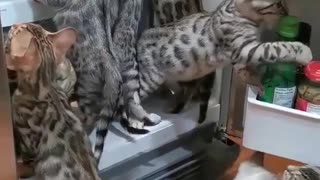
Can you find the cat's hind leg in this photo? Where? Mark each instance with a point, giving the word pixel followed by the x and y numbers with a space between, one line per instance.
pixel 183 96
pixel 205 92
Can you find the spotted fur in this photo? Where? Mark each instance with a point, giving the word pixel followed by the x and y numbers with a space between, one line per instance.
pixel 47 130
pixel 196 45
pixel 170 11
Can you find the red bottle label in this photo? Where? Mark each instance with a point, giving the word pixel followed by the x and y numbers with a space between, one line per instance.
pixel 304 105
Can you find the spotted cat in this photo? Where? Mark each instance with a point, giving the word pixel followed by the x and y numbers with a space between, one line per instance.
pixel 198 44
pixel 46 128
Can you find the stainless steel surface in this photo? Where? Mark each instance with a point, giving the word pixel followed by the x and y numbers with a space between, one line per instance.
pixel 8 169
pixel 236 106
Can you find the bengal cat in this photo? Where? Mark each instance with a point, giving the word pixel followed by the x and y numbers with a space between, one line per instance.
pixel 195 46
pixel 46 128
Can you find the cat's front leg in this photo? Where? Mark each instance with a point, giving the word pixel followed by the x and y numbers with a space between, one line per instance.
pixel 257 53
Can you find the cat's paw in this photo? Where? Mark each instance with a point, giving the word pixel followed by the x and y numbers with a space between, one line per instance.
pixel 136 124
pixel 304 55
pixel 152 119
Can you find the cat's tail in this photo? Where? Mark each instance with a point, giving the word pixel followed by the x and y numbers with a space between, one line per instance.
pixel 106 116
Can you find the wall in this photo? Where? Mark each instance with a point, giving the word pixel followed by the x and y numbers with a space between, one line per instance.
pixel 308 11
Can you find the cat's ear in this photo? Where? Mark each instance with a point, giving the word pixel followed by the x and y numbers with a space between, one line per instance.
pixel 62 42
pixel 23 53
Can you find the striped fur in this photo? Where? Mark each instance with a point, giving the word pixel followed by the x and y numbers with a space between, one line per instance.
pixel 168 11
pixel 124 39
pixel 196 45
pixel 99 82
pixel 48 131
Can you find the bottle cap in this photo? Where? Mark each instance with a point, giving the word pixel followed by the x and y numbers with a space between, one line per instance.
pixel 312 71
pixel 289 27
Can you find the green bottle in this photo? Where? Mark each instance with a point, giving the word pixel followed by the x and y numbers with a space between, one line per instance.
pixel 279 80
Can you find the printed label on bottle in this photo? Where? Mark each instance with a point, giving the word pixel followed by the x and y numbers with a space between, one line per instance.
pixel 313 108
pixel 304 105
pixel 284 96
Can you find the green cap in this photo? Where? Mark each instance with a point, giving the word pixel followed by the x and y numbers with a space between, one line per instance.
pixel 289 27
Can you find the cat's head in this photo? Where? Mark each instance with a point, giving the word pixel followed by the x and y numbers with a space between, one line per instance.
pixel 263 12
pixel 31 49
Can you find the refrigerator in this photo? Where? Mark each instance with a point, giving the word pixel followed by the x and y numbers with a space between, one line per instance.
pixel 175 148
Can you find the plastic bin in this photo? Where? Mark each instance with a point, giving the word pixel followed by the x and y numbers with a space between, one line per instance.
pixel 281 131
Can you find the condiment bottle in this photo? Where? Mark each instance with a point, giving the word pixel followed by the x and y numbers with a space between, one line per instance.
pixel 279 81
pixel 309 89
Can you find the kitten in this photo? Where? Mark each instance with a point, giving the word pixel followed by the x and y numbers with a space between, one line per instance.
pixel 46 128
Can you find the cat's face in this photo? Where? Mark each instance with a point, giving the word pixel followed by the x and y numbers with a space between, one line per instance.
pixel 263 12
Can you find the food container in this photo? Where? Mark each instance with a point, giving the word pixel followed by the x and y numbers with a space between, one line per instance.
pixel 309 89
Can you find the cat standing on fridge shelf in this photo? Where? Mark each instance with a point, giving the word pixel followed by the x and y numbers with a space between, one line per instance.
pixel 46 128
pixel 198 44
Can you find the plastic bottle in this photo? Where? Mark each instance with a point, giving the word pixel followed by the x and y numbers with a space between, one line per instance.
pixel 279 80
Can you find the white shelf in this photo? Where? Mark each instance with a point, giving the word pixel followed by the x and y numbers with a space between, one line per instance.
pixel 18 11
pixel 123 146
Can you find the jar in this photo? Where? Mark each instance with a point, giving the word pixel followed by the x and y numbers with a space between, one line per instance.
pixel 309 89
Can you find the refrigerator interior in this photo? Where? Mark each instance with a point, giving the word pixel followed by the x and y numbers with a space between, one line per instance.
pixel 177 138
pixel 177 143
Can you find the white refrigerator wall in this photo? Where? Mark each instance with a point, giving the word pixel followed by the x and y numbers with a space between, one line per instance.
pixel 309 11
pixel 306 10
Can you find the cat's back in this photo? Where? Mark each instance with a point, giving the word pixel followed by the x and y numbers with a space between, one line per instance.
pixel 184 31
pixel 173 28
